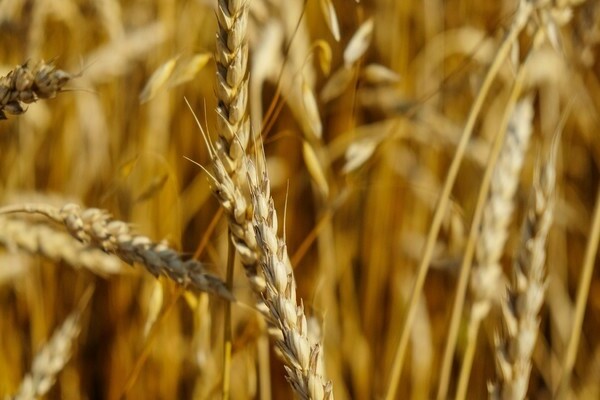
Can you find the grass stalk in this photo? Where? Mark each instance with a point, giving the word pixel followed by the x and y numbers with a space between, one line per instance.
pixel 442 206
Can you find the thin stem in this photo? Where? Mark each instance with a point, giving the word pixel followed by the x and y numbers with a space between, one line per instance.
pixel 227 335
pixel 470 250
pixel 582 295
pixel 442 206
pixel 475 323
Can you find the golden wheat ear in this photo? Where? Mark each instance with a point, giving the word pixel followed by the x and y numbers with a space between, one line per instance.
pixel 98 229
pixel 38 238
pixel 243 190
pixel 525 295
pixel 54 355
pixel 29 82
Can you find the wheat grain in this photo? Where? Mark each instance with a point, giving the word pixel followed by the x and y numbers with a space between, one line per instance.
pixel 98 229
pixel 515 343
pixel 39 238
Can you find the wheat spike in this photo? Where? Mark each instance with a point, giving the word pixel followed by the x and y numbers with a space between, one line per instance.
pixel 240 191
pixel 42 239
pixel 233 124
pixel 288 326
pixel 98 229
pixel 53 357
pixel 28 83
pixel 521 306
pixel 487 278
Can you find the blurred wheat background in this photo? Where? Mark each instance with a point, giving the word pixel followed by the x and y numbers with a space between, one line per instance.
pixel 433 164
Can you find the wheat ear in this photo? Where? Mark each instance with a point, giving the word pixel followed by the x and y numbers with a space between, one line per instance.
pixel 520 308
pixel 288 326
pixel 53 357
pixel 487 278
pixel 98 229
pixel 233 124
pixel 27 83
pixel 234 178
pixel 42 239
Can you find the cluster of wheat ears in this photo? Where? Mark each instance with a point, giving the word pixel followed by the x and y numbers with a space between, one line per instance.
pixel 399 186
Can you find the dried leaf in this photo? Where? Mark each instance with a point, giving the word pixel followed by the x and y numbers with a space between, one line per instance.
pixel 331 18
pixel 359 43
pixel 158 80
pixel 314 168
pixel 324 56
pixel 155 185
pixel 312 111
pixel 154 306
pixel 337 84
pixel 358 153
pixel 379 74
pixel 186 70
pixel 127 168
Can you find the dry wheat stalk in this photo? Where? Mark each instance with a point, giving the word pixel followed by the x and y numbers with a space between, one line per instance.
pixel 39 238
pixel 514 345
pixel 53 357
pixel 27 83
pixel 487 278
pixel 97 228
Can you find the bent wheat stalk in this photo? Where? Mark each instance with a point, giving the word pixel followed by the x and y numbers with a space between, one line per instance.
pixel 98 229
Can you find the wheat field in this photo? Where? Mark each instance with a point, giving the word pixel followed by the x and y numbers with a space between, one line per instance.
pixel 273 199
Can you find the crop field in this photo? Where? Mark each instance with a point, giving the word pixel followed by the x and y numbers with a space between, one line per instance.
pixel 311 199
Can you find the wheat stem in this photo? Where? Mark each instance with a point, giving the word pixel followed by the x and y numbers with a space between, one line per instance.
pixel 491 219
pixel 583 291
pixel 518 24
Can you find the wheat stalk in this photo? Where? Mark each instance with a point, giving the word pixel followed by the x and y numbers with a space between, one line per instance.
pixel 98 229
pixel 53 357
pixel 514 345
pixel 39 238
pixel 28 83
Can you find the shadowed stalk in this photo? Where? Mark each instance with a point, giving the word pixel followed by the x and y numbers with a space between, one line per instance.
pixel 227 335
pixel 583 291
